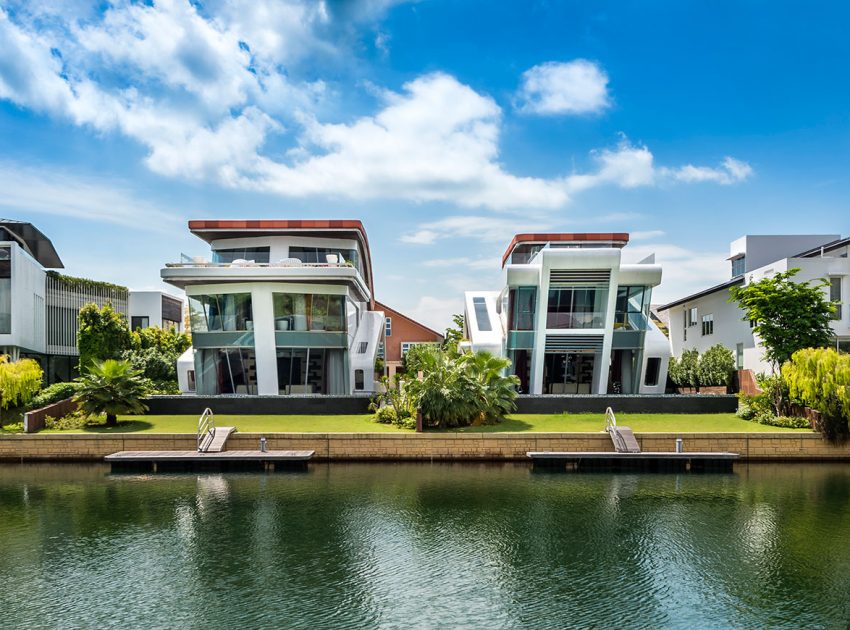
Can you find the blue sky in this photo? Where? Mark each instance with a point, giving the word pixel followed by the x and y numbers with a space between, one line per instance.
pixel 445 126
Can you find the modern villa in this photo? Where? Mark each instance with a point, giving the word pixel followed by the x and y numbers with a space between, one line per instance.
pixel 282 307
pixel 572 317
pixel 706 318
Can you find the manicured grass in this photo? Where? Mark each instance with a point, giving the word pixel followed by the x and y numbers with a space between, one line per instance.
pixel 638 422
pixel 584 422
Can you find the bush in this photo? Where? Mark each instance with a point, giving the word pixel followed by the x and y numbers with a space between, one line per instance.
pixel 820 378
pixel 104 334
pixel 52 394
pixel 74 420
pixel 684 372
pixel 716 366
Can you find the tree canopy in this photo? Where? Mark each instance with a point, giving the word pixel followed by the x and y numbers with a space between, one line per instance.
pixel 104 334
pixel 787 316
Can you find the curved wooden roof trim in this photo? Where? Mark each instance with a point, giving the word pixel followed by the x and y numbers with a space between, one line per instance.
pixel 283 225
pixel 578 237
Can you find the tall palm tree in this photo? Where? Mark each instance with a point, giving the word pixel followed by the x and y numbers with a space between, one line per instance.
pixel 111 387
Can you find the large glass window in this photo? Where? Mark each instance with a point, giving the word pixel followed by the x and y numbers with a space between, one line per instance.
pixel 311 371
pixel 632 310
pixel 314 255
pixel 482 317
pixel 521 306
pixel 309 312
pixel 568 373
pixel 521 367
pixel 576 308
pixel 5 290
pixel 835 296
pixel 524 253
pixel 257 254
pixel 225 371
pixel 738 266
pixel 218 313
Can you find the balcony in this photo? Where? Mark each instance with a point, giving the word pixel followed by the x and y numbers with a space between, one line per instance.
pixel 594 319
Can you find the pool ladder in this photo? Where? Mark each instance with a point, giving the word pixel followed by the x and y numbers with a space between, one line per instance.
pixel 622 437
pixel 206 430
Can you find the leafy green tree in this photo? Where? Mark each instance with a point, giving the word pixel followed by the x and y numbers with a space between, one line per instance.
pixel 716 366
pixel 20 381
pixel 111 387
pixel 104 334
pixel 454 334
pixel 154 353
pixel 820 378
pixel 787 316
pixel 166 340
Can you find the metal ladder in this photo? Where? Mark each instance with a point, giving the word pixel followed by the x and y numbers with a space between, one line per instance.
pixel 206 430
pixel 622 437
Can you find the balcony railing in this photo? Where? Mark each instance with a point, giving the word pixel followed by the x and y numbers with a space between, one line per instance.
pixel 575 320
pixel 290 262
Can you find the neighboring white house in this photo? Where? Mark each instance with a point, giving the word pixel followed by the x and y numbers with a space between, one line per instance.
pixel 283 307
pixel 571 317
pixel 155 308
pixel 707 318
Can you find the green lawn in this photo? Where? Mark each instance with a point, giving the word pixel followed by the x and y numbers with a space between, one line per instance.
pixel 660 423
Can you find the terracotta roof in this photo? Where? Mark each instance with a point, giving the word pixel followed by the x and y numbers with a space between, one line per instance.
pixel 212 229
pixel 564 237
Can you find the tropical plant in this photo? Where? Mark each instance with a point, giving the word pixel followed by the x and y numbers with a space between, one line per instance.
pixel 495 391
pixel 19 382
pixel 454 334
pixel 392 405
pixel 820 378
pixel 111 387
pixel 104 334
pixel 787 316
pixel 716 366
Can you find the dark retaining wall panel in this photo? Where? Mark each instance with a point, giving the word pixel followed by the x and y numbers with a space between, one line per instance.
pixel 670 403
pixel 258 405
pixel 343 405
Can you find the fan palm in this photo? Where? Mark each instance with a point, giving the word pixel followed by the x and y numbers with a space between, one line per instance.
pixel 111 387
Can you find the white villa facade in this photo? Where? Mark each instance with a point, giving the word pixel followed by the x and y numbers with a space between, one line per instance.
pixel 283 307
pixel 704 319
pixel 572 317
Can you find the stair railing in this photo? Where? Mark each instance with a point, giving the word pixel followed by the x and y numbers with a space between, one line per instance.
pixel 206 428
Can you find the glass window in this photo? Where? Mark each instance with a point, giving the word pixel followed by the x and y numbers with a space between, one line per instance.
pixel 632 309
pixel 225 312
pixel 653 370
pixel 524 253
pixel 522 303
pixel 310 371
pixel 358 380
pixel 577 307
pixel 388 327
pixel 138 321
pixel 320 255
pixel 308 312
pixel 708 324
pixel 257 254
pixel 738 266
pixel 361 349
pixel 739 356
pixel 835 296
pixel 225 371
pixel 5 290
pixel 479 304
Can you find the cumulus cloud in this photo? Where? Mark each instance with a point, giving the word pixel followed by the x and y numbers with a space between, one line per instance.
pixel 684 271
pixel 210 91
pixel 574 87
pixel 480 228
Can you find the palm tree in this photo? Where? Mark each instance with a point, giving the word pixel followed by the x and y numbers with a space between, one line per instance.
pixel 111 387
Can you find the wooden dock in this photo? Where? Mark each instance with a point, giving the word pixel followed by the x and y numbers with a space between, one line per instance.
pixel 191 461
pixel 634 462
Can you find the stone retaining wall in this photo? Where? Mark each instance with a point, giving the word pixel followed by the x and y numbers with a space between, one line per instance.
pixel 426 446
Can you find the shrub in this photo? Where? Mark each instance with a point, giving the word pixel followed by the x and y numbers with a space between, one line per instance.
pixel 716 366
pixel 19 382
pixel 820 378
pixel 104 334
pixel 111 387
pixel 684 372
pixel 53 394
pixel 73 420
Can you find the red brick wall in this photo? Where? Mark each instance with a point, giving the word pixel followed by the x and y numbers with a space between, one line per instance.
pixel 404 330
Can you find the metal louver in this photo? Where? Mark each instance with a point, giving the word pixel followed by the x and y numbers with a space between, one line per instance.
pixel 579 277
pixel 573 343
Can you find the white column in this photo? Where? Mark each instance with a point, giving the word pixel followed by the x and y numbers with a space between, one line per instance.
pixel 264 343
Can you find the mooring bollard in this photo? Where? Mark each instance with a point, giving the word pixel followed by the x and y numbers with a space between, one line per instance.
pixel 679 447
pixel 263 447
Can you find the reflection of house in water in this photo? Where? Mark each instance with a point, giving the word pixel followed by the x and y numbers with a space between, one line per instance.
pixel 283 307
pixel 571 317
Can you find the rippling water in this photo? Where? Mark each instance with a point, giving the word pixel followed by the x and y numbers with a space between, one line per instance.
pixel 417 545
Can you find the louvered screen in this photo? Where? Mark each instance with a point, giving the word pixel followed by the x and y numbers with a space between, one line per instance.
pixel 573 343
pixel 582 277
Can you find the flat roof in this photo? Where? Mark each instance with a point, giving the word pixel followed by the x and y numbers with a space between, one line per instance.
pixel 826 247
pixel 565 237
pixel 213 229
pixel 709 291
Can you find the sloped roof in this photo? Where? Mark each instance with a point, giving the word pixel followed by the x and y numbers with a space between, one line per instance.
pixel 31 240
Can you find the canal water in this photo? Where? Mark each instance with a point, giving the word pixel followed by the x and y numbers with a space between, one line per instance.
pixel 425 546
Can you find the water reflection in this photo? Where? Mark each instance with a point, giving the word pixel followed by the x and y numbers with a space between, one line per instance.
pixel 397 545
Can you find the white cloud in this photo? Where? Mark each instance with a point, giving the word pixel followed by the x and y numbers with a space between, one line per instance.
pixel 51 192
pixel 206 90
pixel 731 171
pixel 645 235
pixel 574 87
pixel 435 312
pixel 684 271
pixel 462 262
pixel 479 228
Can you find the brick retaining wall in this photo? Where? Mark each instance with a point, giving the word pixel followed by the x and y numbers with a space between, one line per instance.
pixel 427 446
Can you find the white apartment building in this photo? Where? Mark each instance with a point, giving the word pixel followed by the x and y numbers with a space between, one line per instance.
pixel 155 309
pixel 707 318
pixel 283 307
pixel 572 317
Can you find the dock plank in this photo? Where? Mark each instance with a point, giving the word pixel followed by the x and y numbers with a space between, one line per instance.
pixel 195 456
